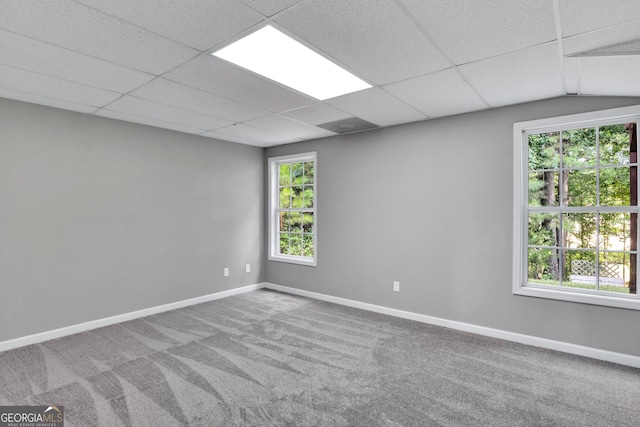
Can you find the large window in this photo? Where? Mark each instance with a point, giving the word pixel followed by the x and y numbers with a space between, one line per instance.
pixel 576 208
pixel 292 208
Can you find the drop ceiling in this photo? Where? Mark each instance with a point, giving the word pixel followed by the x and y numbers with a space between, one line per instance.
pixel 150 62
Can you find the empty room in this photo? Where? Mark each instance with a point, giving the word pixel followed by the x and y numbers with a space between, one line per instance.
pixel 319 213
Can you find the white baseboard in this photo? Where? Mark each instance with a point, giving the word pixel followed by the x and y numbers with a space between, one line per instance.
pixel 594 353
pixel 87 326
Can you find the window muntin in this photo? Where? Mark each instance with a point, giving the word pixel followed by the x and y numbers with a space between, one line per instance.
pixel 292 209
pixel 575 229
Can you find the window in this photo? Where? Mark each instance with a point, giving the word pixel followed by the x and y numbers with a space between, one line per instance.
pixel 292 209
pixel 576 208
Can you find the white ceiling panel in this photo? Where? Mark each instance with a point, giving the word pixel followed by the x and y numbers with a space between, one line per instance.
pixel 43 58
pixel 146 121
pixel 468 30
pixel 171 93
pixel 50 87
pixel 232 138
pixel 289 127
pixel 377 106
pixel 153 110
pixel 581 16
pixel 316 114
pixel 522 76
pixel 439 94
pixel 270 7
pixel 187 21
pixel 610 75
pixel 571 72
pixel 372 38
pixel 49 102
pixel 258 135
pixel 221 78
pixel 82 29
pixel 601 38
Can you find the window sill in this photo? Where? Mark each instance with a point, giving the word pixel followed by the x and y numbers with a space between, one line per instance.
pixel 631 302
pixel 309 262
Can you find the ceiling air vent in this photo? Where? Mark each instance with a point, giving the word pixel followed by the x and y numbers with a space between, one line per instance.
pixel 353 124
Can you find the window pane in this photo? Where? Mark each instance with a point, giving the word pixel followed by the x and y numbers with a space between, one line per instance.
pixel 614 272
pixel 307 196
pixel 284 243
pixel 614 145
pixel 296 222
pixel 615 231
pixel 579 148
pixel 580 187
pixel 297 200
pixel 284 222
pixel 543 188
pixel 579 269
pixel 543 229
pixel 307 222
pixel 544 149
pixel 297 177
pixel 308 173
pixel 543 266
pixel 615 186
pixel 308 245
pixel 285 197
pixel 579 230
pixel 295 244
pixel 285 174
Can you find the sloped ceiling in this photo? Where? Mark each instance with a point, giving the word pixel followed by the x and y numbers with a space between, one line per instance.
pixel 149 62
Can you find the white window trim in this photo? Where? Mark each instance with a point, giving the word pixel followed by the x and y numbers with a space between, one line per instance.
pixel 520 203
pixel 274 241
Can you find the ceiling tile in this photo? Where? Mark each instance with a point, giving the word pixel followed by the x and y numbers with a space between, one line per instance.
pixel 172 93
pixel 377 106
pixel 152 110
pixel 372 38
pixel 50 87
pixel 581 16
pixel 221 78
pixel 146 121
pixel 33 55
pixel 610 75
pixel 605 37
pixel 270 7
pixel 231 138
pixel 522 76
pixel 82 29
pixel 289 127
pixel 257 135
pixel 468 30
pixel 316 114
pixel 202 24
pixel 438 94
pixel 49 102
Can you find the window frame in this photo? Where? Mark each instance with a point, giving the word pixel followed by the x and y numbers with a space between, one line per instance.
pixel 521 131
pixel 274 202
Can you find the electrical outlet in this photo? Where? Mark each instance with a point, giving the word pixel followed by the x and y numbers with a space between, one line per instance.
pixel 396 286
pixel 247 268
pixel 226 272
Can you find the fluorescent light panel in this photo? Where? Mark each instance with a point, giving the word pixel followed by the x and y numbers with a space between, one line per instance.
pixel 275 55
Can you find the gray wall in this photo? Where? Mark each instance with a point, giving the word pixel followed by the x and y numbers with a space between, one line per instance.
pixel 100 217
pixel 430 204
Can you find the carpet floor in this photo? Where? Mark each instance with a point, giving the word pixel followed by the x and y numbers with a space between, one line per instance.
pixel 266 358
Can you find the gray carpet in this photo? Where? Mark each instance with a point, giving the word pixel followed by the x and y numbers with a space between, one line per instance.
pixel 270 359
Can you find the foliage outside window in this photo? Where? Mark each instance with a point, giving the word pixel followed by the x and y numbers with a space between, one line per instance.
pixel 576 208
pixel 292 206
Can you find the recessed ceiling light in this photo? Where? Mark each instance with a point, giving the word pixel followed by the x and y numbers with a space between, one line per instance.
pixel 275 55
